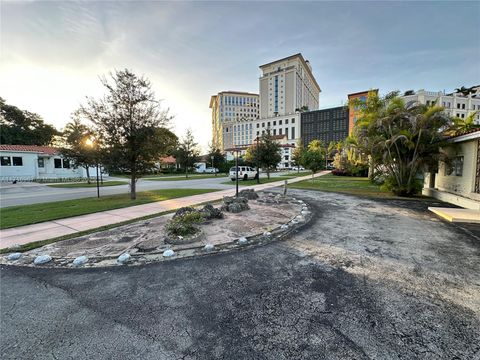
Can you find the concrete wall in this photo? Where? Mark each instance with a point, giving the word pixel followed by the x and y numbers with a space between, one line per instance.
pixel 458 190
pixel 28 169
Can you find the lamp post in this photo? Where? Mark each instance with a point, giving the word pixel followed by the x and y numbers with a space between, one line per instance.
pixel 236 173
pixel 258 171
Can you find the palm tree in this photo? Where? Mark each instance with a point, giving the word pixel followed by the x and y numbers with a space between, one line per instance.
pixel 402 140
pixel 461 126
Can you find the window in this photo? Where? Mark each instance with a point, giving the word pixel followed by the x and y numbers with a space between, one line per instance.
pixel 5 161
pixel 57 163
pixel 268 124
pixel 274 131
pixel 41 161
pixel 17 161
pixel 263 124
pixel 286 132
pixel 279 131
pixel 274 123
pixel 458 106
pixel 463 106
pixel 293 121
pixel 258 125
pixel 279 122
pixel 293 133
pixel 286 121
pixel 456 167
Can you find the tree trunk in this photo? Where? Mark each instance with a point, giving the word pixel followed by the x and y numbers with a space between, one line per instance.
pixel 186 171
pixel 133 185
pixel 268 173
pixel 88 175
pixel 371 168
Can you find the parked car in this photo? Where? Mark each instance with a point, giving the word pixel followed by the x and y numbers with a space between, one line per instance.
pixel 210 170
pixel 296 168
pixel 244 172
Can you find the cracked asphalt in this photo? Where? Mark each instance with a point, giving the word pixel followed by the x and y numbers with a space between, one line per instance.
pixel 364 280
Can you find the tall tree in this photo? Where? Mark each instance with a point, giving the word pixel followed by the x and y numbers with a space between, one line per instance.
pixel 187 152
pixel 265 152
pixel 314 157
pixel 130 123
pixel 298 154
pixel 77 150
pixel 21 127
pixel 402 139
pixel 217 156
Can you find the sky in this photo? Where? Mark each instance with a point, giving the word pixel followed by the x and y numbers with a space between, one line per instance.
pixel 52 53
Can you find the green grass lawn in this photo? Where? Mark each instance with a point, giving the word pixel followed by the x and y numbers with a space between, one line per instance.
pixel 343 184
pixel 30 214
pixel 180 178
pixel 92 184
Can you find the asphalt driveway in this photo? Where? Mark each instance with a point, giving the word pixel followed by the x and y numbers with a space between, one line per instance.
pixel 364 280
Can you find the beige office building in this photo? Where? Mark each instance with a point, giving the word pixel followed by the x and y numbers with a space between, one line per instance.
pixel 287 86
pixel 231 108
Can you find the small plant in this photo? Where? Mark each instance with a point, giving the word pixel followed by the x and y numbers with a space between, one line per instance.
pixel 184 225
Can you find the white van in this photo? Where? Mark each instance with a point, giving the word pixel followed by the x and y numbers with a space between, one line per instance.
pixel 244 173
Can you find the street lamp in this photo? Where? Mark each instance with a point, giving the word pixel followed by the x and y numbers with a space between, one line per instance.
pixel 258 171
pixel 91 143
pixel 236 173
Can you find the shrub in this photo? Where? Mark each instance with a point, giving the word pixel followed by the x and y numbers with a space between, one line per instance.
pixel 184 225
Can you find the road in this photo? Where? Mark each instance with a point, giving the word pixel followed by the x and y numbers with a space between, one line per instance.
pixel 33 193
pixel 364 280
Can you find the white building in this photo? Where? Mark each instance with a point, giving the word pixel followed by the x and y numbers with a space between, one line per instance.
pixel 287 86
pixel 458 182
pixel 31 162
pixel 456 104
pixel 230 108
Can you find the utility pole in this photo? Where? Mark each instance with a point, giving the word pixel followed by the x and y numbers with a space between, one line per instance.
pixel 258 171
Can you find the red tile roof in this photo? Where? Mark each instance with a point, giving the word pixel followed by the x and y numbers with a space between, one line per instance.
pixel 464 133
pixel 168 160
pixel 30 148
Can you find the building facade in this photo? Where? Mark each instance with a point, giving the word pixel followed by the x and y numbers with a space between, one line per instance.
pixel 231 107
pixel 459 181
pixel 287 86
pixel 30 162
pixel 353 110
pixel 456 104
pixel 326 125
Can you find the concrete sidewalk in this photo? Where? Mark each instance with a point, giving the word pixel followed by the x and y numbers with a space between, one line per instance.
pixel 52 229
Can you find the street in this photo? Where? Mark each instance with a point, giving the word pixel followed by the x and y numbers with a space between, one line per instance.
pixel 34 193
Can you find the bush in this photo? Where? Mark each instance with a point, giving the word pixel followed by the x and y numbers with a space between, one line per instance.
pixel 184 225
pixel 390 184
pixel 339 172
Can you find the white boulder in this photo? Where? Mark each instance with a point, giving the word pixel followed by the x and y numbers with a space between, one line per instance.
pixel 42 259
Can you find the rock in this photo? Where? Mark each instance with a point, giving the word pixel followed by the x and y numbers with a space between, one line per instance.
pixel 267 234
pixel 242 241
pixel 168 253
pixel 81 260
pixel 14 256
pixel 234 208
pixel 294 221
pixel 228 200
pixel 209 247
pixel 42 259
pixel 300 218
pixel 305 212
pixel 284 227
pixel 147 245
pixel 211 213
pixel 249 194
pixel 183 210
pixel 124 258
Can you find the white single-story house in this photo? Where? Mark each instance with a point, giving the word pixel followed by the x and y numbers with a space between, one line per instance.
pixel 31 162
pixel 459 182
